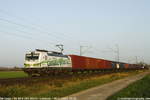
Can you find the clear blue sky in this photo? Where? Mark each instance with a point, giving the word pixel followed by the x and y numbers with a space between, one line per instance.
pixel 99 24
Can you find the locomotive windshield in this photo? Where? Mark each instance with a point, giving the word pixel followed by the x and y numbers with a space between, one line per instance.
pixel 32 56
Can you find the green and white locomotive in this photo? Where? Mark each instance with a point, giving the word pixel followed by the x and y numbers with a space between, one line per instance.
pixel 43 61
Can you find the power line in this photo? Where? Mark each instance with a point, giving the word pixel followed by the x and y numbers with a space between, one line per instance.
pixel 35 27
pixel 19 36
pixel 5 20
pixel 18 25
pixel 81 49
pixel 29 36
pixel 6 13
pixel 25 26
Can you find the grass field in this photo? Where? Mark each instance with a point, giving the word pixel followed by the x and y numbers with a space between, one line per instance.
pixel 139 89
pixel 12 74
pixel 61 87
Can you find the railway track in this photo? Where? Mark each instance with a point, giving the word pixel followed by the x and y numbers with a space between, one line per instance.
pixel 32 80
pixel 11 81
pixel 50 79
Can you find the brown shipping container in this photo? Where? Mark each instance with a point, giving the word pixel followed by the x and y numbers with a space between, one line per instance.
pixel 81 62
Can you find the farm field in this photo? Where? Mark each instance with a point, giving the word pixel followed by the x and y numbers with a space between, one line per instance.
pixel 139 89
pixel 12 74
pixel 60 87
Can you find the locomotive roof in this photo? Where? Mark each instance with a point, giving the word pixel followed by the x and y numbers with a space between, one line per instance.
pixel 41 50
pixel 56 54
pixel 53 52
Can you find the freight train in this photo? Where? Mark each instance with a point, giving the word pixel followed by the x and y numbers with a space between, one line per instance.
pixel 43 62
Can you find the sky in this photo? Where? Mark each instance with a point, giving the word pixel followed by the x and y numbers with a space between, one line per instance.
pixel 100 26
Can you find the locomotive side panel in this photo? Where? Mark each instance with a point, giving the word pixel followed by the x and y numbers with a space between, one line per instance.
pixel 40 59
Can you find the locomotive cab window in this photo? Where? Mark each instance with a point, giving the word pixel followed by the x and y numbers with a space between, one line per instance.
pixel 32 56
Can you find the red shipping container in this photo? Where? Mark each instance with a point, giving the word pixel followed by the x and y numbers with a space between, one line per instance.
pixel 81 62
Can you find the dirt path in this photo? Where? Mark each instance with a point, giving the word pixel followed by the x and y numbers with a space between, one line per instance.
pixel 103 91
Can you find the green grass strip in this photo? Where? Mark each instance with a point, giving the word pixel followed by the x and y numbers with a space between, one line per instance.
pixel 138 89
pixel 12 74
pixel 83 85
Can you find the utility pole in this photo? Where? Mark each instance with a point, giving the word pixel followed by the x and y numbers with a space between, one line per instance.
pixel 116 50
pixel 136 59
pixel 118 53
pixel 60 46
pixel 81 49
